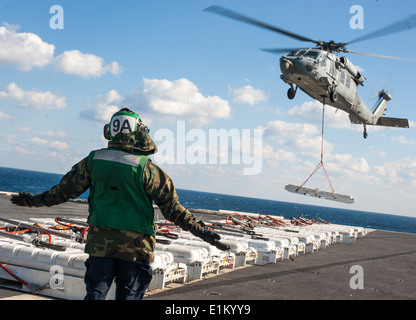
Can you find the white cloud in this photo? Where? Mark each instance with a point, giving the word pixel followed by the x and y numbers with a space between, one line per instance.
pixel 39 141
pixel 10 138
pixel 26 50
pixel 346 163
pixel 297 146
pixel 23 50
pixel 359 69
pixel 59 134
pixel 58 145
pixel 398 172
pixel 303 137
pixel 249 95
pixel 178 99
pixel 276 157
pixel 22 150
pixel 5 116
pixel 23 129
pixel 404 140
pixel 105 108
pixel 311 111
pixel 84 65
pixel 39 100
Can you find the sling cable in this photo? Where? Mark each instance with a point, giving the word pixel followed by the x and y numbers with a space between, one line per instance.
pixel 315 192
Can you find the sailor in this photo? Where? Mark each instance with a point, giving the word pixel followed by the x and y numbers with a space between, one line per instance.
pixel 123 182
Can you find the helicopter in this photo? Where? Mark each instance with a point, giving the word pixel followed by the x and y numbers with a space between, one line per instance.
pixel 325 76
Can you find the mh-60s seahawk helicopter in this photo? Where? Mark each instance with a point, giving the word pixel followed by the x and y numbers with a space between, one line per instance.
pixel 326 77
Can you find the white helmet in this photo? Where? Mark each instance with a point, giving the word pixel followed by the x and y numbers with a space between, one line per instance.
pixel 125 121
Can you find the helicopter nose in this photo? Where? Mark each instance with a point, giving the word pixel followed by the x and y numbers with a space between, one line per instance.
pixel 286 66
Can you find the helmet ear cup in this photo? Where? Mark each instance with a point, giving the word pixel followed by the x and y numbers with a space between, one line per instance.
pixel 107 132
pixel 143 128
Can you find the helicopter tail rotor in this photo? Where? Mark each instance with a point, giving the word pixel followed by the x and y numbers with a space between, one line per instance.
pixel 379 112
pixel 384 94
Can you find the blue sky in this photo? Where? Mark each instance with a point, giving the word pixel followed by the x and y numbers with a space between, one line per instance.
pixel 174 63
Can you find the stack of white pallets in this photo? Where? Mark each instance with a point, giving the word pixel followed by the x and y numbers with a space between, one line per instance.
pixel 180 259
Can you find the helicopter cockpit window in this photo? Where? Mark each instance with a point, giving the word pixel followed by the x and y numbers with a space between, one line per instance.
pixel 297 53
pixel 332 70
pixel 323 60
pixel 348 83
pixel 342 78
pixel 312 54
pixel 305 53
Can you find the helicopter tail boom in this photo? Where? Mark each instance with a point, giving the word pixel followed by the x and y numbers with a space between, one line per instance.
pixel 377 118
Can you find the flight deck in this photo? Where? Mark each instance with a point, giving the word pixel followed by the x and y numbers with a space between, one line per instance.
pixel 324 272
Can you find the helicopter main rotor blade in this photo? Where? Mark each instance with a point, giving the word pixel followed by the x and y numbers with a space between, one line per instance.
pixel 279 50
pixel 377 55
pixel 402 25
pixel 236 16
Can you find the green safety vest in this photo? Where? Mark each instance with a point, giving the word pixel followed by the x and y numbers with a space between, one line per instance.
pixel 117 197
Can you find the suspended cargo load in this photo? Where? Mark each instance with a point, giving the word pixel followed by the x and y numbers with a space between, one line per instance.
pixel 315 192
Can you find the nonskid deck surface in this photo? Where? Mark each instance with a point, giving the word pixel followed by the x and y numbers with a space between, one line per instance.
pixel 277 264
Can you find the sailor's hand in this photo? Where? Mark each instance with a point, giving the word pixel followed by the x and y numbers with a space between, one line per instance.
pixel 22 199
pixel 222 246
pixel 213 239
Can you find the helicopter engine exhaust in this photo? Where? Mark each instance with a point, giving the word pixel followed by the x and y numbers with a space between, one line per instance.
pixel 359 79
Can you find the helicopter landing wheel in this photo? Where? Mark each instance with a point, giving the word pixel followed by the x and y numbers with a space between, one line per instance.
pixel 333 96
pixel 365 134
pixel 291 93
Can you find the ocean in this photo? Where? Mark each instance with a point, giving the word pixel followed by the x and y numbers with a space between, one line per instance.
pixel 18 180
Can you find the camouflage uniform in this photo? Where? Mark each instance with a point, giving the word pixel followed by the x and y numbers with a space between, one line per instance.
pixel 108 242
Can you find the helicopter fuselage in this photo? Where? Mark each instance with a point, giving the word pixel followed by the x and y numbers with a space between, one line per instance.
pixel 328 79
